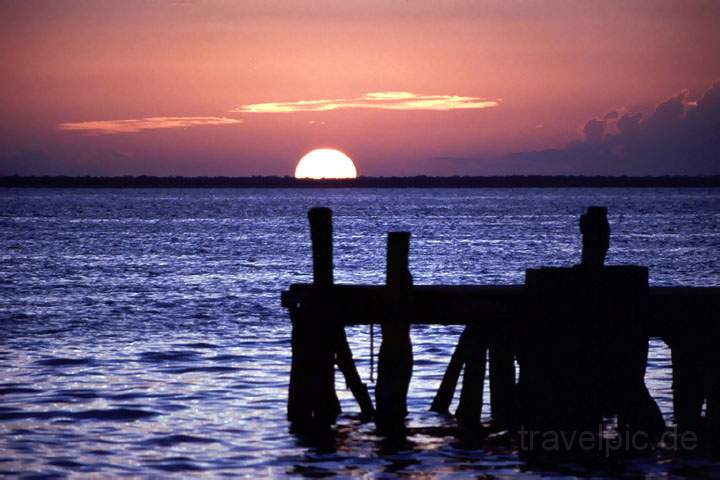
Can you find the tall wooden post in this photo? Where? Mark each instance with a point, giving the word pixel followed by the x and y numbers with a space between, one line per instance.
pixel 312 396
pixel 319 342
pixel 395 361
pixel 321 232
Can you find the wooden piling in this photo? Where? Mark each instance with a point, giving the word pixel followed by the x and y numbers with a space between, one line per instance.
pixel 595 231
pixel 474 343
pixel 502 375
pixel 446 391
pixel 346 364
pixel 319 341
pixel 695 363
pixel 470 405
pixel 312 397
pixel 395 360
pixel 321 234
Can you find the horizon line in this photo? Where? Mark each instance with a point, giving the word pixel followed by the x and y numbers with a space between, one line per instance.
pixel 418 181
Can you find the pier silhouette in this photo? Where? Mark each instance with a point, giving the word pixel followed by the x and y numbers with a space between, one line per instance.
pixel 563 351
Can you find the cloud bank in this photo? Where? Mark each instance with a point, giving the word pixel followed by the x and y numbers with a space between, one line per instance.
pixel 679 137
pixel 376 100
pixel 108 127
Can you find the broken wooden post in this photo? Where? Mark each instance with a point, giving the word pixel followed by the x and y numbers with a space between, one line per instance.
pixel 623 332
pixel 583 344
pixel 395 361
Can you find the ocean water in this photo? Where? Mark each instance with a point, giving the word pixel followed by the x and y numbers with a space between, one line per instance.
pixel 142 333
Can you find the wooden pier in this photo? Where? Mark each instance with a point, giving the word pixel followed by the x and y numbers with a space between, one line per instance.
pixel 578 334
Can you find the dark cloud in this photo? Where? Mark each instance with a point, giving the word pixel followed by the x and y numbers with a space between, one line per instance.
pixel 594 131
pixel 680 137
pixel 611 115
pixel 629 123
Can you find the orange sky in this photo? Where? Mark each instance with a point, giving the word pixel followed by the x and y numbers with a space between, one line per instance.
pixel 423 87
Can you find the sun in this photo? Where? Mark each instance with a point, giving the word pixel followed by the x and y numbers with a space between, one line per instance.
pixel 325 163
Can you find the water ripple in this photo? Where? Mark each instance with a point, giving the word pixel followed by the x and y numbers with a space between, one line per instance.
pixel 110 415
pixel 143 334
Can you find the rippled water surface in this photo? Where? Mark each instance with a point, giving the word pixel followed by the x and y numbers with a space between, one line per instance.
pixel 142 331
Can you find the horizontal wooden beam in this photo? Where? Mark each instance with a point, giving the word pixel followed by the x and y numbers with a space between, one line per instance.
pixel 464 304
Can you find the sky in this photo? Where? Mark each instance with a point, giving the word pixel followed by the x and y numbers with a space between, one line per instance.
pixel 239 88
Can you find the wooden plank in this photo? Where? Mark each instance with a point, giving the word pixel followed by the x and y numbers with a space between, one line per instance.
pixel 360 305
pixel 464 304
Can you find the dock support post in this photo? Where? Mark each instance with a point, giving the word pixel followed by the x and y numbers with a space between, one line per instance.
pixel 502 375
pixel 395 360
pixel 696 370
pixel 473 346
pixel 470 405
pixel 312 396
pixel 471 353
pixel 346 364
pixel 446 391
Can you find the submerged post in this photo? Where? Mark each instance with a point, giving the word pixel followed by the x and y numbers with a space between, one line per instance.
pixel 395 361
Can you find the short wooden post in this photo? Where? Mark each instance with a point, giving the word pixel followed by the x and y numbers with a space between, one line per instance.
pixel 595 231
pixel 395 361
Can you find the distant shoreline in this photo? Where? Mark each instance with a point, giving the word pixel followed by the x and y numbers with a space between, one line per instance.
pixel 516 181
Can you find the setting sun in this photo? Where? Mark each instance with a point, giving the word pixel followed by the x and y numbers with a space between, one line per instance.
pixel 325 163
